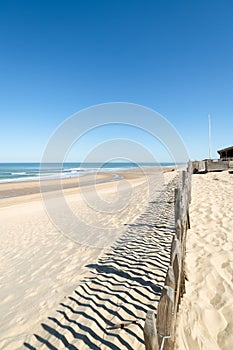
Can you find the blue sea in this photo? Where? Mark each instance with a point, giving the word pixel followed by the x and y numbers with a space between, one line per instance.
pixel 11 172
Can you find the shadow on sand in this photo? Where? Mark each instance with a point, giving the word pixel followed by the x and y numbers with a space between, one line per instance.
pixel 108 309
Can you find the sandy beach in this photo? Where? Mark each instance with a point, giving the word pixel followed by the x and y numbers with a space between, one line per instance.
pixel 205 319
pixel 40 266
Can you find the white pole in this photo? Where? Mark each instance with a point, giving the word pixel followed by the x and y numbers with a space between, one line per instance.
pixel 210 148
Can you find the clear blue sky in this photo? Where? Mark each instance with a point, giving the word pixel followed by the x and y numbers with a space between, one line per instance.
pixel 57 57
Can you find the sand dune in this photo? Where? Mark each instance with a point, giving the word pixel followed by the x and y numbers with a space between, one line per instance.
pixel 40 266
pixel 205 317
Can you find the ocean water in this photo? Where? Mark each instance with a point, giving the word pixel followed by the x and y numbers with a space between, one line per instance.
pixel 11 172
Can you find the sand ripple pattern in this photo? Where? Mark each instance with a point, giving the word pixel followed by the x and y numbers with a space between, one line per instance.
pixel 121 286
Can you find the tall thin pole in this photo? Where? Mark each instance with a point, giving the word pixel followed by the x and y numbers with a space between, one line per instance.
pixel 210 147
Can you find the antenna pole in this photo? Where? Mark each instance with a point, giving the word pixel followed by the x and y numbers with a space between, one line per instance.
pixel 210 148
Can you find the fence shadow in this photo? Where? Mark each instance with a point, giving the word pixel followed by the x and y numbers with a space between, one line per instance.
pixel 108 309
pixel 159 333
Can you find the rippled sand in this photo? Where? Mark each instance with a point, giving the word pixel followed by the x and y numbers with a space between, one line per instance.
pixel 39 265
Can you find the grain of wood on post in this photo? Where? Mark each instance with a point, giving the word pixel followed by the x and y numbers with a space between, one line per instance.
pixel 150 332
pixel 170 280
pixel 162 331
pixel 165 314
pixel 177 204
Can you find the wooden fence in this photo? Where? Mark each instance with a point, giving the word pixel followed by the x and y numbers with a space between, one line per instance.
pixel 198 165
pixel 209 165
pixel 216 165
pixel 159 332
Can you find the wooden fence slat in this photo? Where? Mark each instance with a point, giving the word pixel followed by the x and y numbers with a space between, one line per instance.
pixel 178 230
pixel 175 250
pixel 150 332
pixel 184 176
pixel 177 204
pixel 165 313
pixel 161 332
pixel 177 265
pixel 170 278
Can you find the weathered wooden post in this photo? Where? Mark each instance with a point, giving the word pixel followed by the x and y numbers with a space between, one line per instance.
pixel 150 332
pixel 176 260
pixel 165 316
pixel 160 333
pixel 184 175
pixel 178 212
pixel 170 278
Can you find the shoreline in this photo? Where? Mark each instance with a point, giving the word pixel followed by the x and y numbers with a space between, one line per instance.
pixel 23 188
pixel 45 266
pixel 22 191
pixel 68 173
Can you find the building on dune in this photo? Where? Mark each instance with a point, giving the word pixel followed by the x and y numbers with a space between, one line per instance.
pixel 226 154
pixel 225 162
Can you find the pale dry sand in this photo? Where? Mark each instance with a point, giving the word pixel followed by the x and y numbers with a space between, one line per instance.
pixel 39 265
pixel 205 319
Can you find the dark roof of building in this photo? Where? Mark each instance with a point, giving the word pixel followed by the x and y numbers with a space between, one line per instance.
pixel 225 149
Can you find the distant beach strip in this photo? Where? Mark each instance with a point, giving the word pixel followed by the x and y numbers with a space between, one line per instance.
pixel 11 172
pixel 33 187
pixel 19 179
